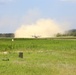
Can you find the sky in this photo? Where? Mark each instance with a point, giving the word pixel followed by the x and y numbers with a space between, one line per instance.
pixel 15 13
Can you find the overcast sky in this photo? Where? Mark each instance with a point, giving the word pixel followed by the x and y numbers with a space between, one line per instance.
pixel 14 13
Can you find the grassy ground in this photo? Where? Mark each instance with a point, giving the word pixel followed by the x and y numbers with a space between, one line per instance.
pixel 41 57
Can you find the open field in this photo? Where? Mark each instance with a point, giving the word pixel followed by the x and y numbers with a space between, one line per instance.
pixel 41 57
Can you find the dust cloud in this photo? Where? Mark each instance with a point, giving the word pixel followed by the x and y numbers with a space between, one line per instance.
pixel 42 28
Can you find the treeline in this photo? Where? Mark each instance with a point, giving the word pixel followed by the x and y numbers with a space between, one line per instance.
pixel 71 32
pixel 5 35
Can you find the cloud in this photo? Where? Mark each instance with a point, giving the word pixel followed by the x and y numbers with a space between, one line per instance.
pixel 42 28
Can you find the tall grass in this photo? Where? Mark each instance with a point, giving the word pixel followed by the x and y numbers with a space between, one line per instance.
pixel 41 57
pixel 37 44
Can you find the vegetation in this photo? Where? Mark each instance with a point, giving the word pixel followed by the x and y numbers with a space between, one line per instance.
pixel 71 32
pixel 4 35
pixel 41 57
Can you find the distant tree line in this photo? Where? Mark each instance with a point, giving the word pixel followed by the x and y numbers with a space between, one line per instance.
pixel 4 35
pixel 71 32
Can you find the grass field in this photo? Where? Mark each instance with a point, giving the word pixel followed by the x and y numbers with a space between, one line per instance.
pixel 40 57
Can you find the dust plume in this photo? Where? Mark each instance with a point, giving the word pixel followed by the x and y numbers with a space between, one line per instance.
pixel 41 28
